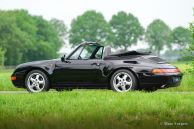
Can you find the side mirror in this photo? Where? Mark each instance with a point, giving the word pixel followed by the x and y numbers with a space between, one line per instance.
pixel 63 58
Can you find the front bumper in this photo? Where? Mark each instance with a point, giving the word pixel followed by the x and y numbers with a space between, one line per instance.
pixel 20 79
pixel 148 81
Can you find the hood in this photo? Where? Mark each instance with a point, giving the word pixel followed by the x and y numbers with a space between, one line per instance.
pixel 37 63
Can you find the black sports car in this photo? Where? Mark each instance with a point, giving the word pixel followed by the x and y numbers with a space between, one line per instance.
pixel 92 65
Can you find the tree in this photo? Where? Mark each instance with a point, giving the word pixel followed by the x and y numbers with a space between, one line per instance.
pixel 60 27
pixel 191 45
pixel 126 29
pixel 12 39
pixel 27 38
pixel 2 52
pixel 46 36
pixel 158 35
pixel 191 28
pixel 91 26
pixel 181 37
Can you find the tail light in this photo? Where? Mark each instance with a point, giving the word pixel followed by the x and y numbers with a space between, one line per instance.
pixel 164 71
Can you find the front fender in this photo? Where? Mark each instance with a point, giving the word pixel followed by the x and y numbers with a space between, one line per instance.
pixel 21 73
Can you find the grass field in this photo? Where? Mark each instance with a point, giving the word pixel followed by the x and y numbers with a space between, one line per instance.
pixel 95 109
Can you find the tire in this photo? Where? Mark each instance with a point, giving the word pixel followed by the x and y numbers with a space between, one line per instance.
pixel 63 89
pixel 123 81
pixel 36 81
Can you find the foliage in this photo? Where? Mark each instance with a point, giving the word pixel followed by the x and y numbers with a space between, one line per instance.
pixel 191 46
pixel 24 37
pixel 2 54
pixel 126 29
pixel 91 26
pixel 27 38
pixel 60 27
pixel 181 37
pixel 11 38
pixel 158 35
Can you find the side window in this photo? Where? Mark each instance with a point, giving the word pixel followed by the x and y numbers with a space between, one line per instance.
pixel 87 51
pixel 99 53
pixel 76 54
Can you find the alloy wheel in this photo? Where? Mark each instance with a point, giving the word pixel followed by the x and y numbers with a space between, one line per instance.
pixel 122 82
pixel 36 82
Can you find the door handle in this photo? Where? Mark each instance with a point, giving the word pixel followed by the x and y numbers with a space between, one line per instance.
pixel 67 61
pixel 97 64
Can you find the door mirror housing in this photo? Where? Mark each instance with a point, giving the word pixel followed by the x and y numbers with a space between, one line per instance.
pixel 63 58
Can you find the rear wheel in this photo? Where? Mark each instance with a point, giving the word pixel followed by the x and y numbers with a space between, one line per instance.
pixel 123 81
pixel 36 81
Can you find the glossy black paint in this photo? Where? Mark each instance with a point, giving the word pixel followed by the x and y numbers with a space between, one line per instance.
pixel 96 73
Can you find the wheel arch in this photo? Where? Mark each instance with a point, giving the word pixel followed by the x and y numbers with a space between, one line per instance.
pixel 133 72
pixel 37 68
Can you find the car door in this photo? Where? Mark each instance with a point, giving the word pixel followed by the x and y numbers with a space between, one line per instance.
pixel 79 69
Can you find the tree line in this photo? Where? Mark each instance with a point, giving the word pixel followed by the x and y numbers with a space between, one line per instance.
pixel 124 30
pixel 24 37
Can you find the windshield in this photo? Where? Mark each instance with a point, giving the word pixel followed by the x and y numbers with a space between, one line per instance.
pixel 87 52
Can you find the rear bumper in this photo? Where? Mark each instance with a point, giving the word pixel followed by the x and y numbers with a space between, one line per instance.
pixel 159 81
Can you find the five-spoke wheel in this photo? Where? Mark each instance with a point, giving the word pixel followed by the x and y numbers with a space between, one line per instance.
pixel 123 81
pixel 36 81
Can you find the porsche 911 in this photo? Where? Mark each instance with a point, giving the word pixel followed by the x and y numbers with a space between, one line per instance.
pixel 92 65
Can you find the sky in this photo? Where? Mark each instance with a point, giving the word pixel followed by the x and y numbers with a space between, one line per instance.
pixel 173 12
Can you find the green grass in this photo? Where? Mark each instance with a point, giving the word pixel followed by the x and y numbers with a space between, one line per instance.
pixel 5 82
pixel 95 109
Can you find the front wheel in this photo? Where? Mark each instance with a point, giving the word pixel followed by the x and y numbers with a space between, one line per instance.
pixel 36 81
pixel 123 81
